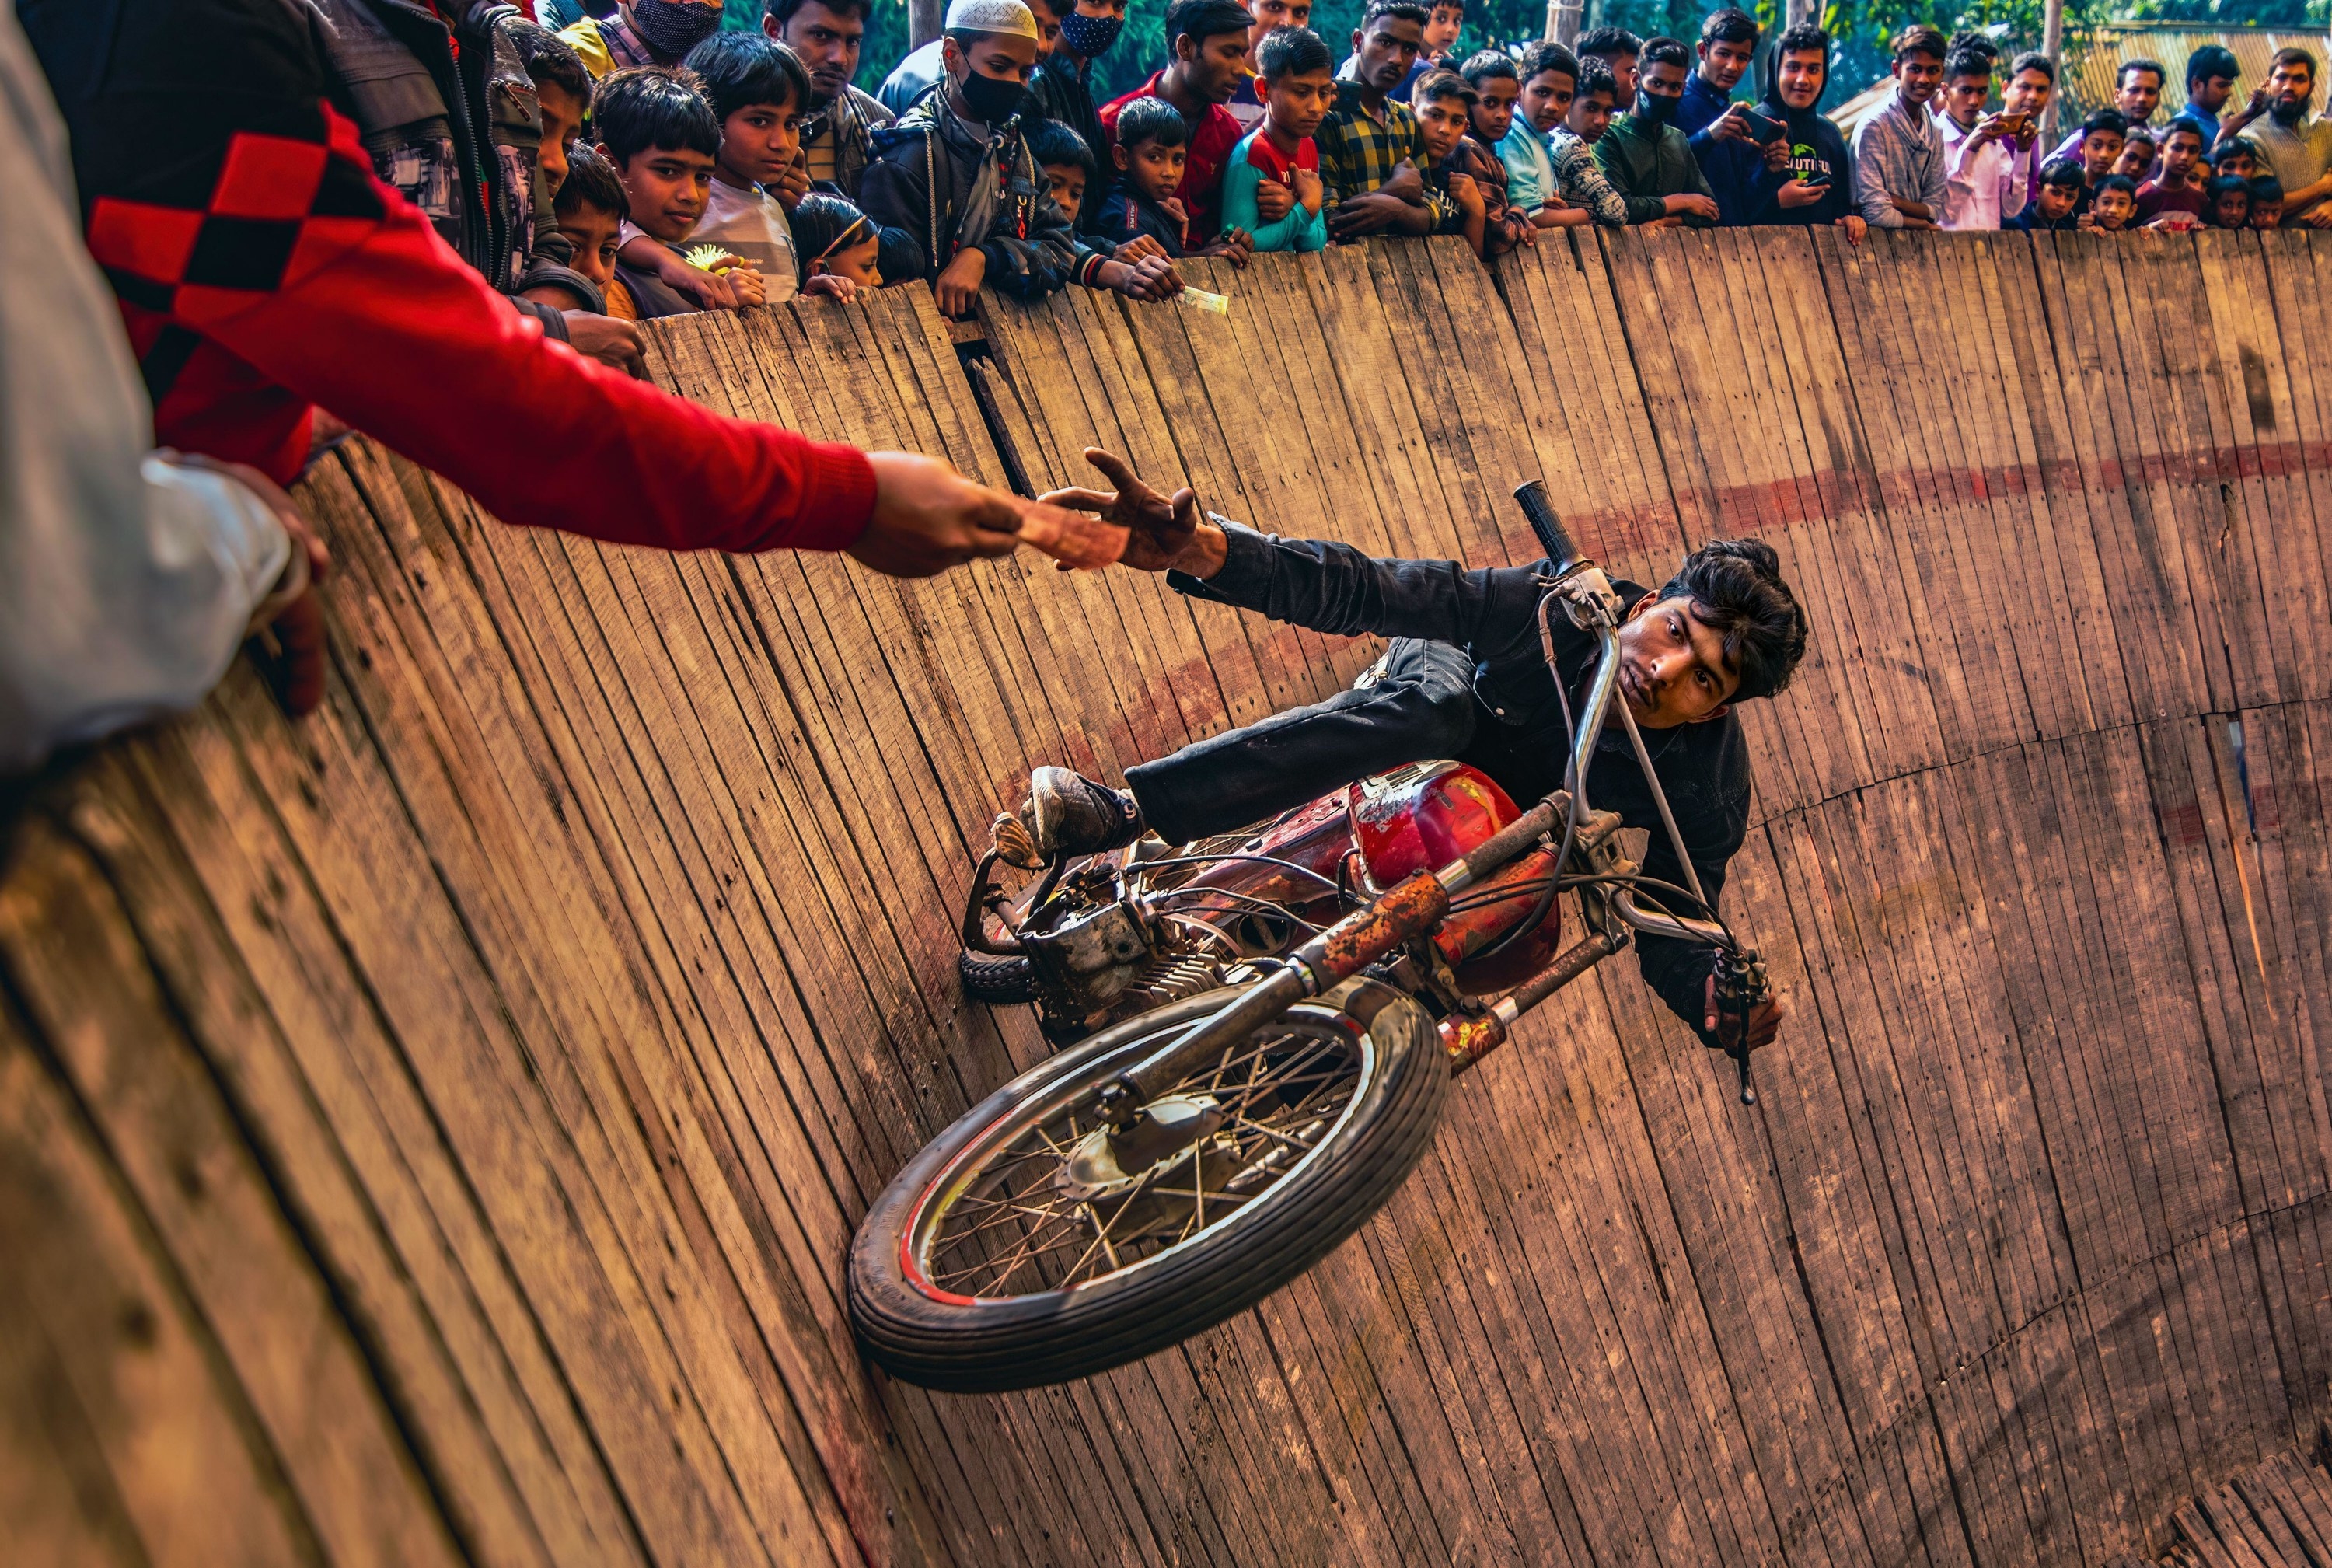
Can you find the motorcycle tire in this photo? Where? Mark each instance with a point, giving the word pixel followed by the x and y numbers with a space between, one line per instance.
pixel 1001 982
pixel 923 1334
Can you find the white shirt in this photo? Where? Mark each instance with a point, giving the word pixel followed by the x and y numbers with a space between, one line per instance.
pixel 749 222
pixel 1984 185
pixel 126 580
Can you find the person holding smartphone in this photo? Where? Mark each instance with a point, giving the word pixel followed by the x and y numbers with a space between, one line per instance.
pixel 1803 176
pixel 1984 178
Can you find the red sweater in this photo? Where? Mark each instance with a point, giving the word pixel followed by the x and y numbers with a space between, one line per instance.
pixel 262 270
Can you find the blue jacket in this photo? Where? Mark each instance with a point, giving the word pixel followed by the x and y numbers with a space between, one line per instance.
pixel 1744 187
pixel 1702 107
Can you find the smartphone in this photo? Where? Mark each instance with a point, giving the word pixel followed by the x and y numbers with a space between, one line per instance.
pixel 2014 124
pixel 1764 127
pixel 1818 178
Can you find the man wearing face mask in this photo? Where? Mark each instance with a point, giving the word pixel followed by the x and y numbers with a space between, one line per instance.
pixel 955 178
pixel 643 32
pixel 1062 88
pixel 1645 158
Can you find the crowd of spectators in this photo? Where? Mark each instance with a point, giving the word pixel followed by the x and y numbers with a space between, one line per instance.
pixel 587 164
pixel 984 161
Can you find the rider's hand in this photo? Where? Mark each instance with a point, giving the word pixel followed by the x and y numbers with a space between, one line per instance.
pixel 1170 534
pixel 1765 1019
pixel 929 518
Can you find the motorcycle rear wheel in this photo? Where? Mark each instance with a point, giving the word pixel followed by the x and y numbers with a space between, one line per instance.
pixel 1015 1250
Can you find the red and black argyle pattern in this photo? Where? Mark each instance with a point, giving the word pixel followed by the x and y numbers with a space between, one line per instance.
pixel 221 232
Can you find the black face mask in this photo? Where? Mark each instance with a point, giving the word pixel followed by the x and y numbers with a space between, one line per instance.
pixel 991 100
pixel 674 28
pixel 1654 109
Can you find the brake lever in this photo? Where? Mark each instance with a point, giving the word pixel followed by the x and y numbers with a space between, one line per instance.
pixel 1740 989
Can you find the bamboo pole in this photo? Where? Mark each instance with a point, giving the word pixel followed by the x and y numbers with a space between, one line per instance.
pixel 2052 44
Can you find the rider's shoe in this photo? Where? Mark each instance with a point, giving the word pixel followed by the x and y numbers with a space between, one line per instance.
pixel 1067 813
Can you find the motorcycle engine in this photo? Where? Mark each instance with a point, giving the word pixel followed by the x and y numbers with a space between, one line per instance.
pixel 1102 964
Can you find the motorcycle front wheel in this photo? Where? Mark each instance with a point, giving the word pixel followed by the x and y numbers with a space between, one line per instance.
pixel 1028 1245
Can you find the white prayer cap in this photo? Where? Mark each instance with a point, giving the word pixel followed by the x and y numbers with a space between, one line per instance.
pixel 1007 16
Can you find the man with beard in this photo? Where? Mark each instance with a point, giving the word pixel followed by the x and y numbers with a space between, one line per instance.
pixel 1645 158
pixel 2295 145
pixel 643 32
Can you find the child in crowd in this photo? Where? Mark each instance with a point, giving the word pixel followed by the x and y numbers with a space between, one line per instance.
pixel 1140 268
pixel 2178 189
pixel 562 95
pixel 960 204
pixel 2267 202
pixel 1298 84
pixel 1152 140
pixel 1572 147
pixel 2102 135
pixel 660 134
pixel 2136 160
pixel 837 247
pixel 2055 203
pixel 1550 77
pixel 1498 89
pixel 758 90
pixel 2113 204
pixel 2230 205
pixel 2237 160
pixel 1436 50
pixel 1444 107
pixel 590 212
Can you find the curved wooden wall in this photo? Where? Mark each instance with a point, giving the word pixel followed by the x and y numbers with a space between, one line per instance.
pixel 432 1130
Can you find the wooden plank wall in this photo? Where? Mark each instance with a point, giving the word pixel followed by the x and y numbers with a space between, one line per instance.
pixel 432 1132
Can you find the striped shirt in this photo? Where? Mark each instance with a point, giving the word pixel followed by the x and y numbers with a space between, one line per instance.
pixel 1898 153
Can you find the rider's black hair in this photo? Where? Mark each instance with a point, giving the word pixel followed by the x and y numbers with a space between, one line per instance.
pixel 1737 591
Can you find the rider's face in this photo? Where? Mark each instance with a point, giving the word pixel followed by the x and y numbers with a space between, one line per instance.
pixel 1672 668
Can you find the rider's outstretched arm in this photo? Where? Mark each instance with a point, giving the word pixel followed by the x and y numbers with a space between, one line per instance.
pixel 1332 587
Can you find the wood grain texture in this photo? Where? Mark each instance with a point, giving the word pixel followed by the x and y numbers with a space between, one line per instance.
pixel 433 1131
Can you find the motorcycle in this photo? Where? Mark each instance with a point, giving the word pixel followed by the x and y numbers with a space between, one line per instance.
pixel 1257 1033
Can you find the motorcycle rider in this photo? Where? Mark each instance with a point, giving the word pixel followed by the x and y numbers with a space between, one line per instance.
pixel 1465 678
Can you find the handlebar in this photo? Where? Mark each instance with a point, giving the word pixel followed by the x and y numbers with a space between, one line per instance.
pixel 1556 539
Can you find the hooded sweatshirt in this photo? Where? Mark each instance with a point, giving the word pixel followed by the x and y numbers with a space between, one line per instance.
pixel 1745 188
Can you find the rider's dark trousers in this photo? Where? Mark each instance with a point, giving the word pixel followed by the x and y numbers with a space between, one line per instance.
pixel 1419 706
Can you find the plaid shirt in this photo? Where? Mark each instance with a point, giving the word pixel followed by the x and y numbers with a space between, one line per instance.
pixel 1358 153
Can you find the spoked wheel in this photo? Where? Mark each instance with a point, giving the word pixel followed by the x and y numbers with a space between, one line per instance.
pixel 1029 1244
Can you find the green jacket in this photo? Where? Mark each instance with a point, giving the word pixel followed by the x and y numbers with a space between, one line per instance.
pixel 1645 162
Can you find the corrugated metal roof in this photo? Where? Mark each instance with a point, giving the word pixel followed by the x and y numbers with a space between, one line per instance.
pixel 2091 76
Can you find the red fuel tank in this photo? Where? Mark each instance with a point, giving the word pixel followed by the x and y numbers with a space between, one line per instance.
pixel 1422 818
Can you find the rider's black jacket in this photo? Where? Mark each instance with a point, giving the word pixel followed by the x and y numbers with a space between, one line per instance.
pixel 1520 738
